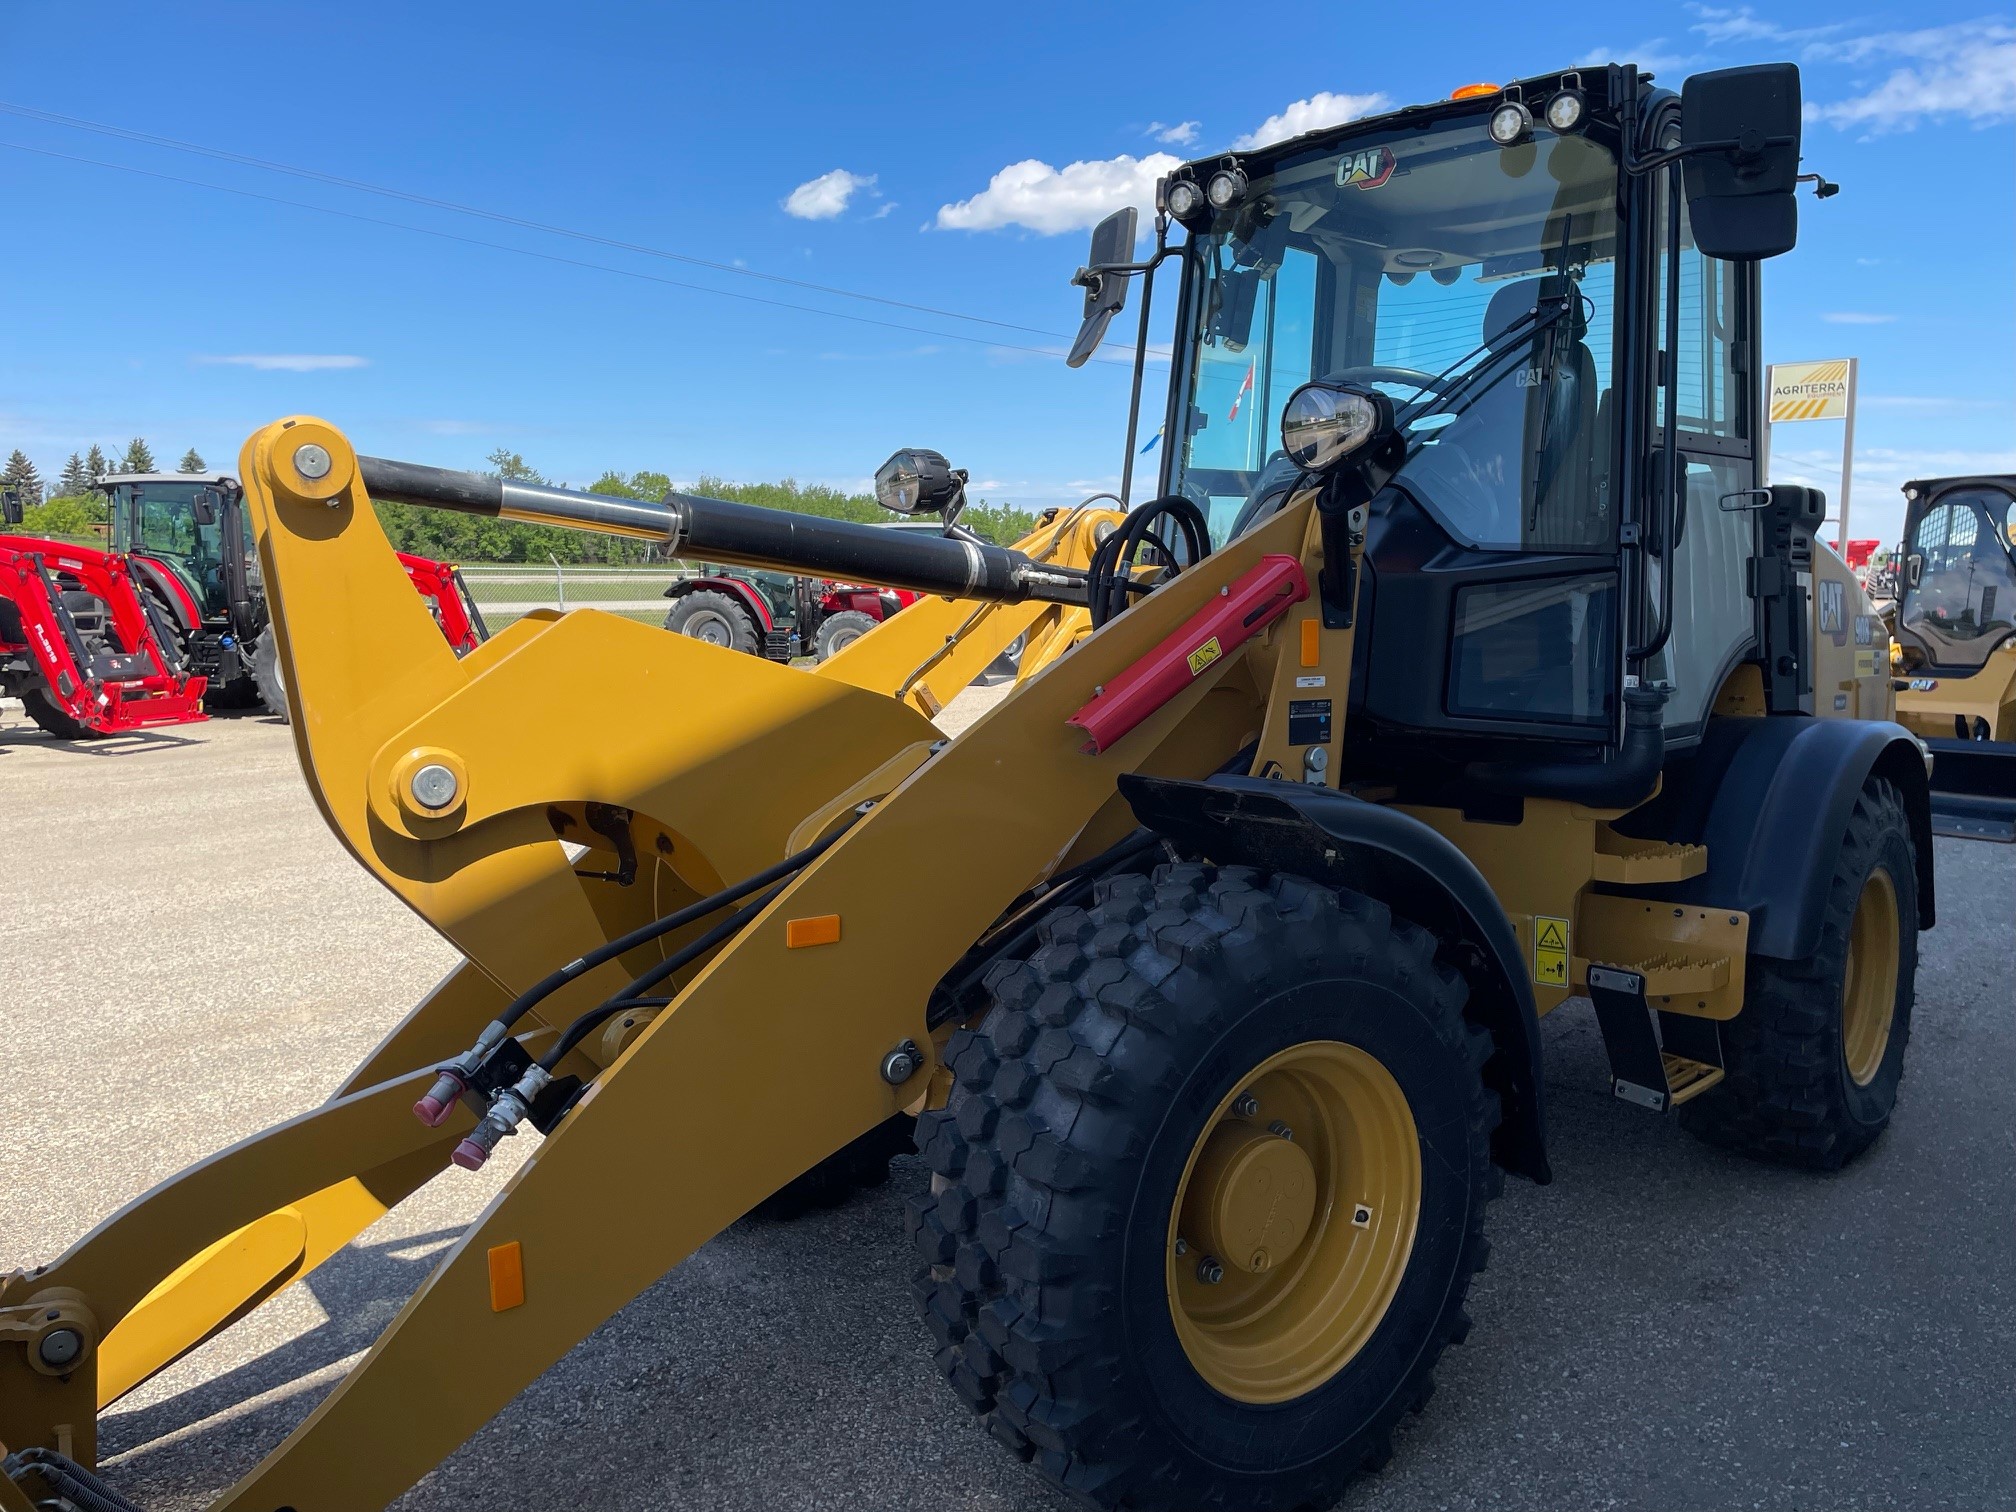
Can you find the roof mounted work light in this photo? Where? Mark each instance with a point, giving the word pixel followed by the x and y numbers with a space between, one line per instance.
pixel 918 481
pixel 1511 123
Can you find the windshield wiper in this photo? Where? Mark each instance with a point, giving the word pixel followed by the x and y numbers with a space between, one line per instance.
pixel 1468 390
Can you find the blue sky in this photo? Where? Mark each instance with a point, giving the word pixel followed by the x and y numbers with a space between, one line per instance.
pixel 947 157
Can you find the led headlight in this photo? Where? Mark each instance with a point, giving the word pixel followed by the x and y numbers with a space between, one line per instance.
pixel 1565 110
pixel 1226 189
pixel 917 481
pixel 1323 423
pixel 1183 198
pixel 1511 123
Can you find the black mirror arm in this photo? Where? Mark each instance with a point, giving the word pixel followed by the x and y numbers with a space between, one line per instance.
pixel 1742 148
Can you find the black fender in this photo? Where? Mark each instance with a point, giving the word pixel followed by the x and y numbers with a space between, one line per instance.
pixel 1332 837
pixel 1770 798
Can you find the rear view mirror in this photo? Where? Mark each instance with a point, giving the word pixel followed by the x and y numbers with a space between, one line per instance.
pixel 204 506
pixel 1739 131
pixel 1914 568
pixel 10 506
pixel 1105 293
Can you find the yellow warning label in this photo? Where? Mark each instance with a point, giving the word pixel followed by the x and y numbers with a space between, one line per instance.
pixel 1550 952
pixel 1865 663
pixel 1204 655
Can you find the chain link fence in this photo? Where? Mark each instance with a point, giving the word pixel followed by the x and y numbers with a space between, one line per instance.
pixel 505 592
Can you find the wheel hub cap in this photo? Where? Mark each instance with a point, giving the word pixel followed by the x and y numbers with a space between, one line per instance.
pixel 1251 1197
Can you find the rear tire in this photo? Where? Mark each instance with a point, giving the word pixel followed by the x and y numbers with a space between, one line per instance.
pixel 41 706
pixel 1084 1110
pixel 715 618
pixel 266 676
pixel 839 631
pixel 1814 1059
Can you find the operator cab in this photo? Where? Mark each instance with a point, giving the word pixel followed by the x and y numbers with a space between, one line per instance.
pixel 180 522
pixel 1957 591
pixel 1499 267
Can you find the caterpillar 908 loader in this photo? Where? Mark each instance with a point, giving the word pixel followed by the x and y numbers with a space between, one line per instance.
pixel 1328 769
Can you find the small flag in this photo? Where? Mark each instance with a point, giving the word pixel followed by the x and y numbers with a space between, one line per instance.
pixel 1151 441
pixel 1245 388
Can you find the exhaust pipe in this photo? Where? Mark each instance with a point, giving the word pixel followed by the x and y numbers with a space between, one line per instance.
pixel 742 535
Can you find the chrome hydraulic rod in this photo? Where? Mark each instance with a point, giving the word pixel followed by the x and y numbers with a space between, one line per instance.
pixel 743 535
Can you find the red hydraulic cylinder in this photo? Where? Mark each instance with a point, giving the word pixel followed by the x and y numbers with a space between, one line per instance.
pixel 1243 608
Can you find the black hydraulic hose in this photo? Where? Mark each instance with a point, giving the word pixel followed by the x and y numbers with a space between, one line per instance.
pixel 645 933
pixel 1110 579
pixel 66 1478
pixel 594 1018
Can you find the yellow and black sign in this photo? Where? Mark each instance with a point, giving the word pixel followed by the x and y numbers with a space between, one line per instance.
pixel 1204 655
pixel 1550 952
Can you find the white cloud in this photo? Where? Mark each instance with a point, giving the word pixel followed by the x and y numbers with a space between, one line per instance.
pixel 1655 56
pixel 1856 317
pixel 1966 70
pixel 826 196
pixel 883 210
pixel 1720 24
pixel 1182 134
pixel 284 362
pixel 1046 199
pixel 1313 114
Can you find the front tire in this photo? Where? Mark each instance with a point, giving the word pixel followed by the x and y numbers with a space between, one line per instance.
pixel 1814 1059
pixel 715 618
pixel 1109 1077
pixel 266 676
pixel 40 705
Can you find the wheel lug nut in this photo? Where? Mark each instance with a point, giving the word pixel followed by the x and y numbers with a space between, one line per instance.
pixel 1209 1271
pixel 1280 1130
pixel 1182 1246
pixel 1247 1106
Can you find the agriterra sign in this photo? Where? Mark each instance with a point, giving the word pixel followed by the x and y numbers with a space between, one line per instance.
pixel 1810 390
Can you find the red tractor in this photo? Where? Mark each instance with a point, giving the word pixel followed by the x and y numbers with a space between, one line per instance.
pixel 778 616
pixel 185 537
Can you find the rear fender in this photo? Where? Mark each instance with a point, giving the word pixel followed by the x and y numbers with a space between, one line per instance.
pixel 170 590
pixel 1771 798
pixel 735 587
pixel 1330 837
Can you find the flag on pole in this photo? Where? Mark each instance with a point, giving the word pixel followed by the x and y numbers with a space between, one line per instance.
pixel 1245 388
pixel 1152 440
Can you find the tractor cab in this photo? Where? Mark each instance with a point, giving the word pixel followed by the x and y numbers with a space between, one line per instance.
pixel 185 532
pixel 1956 600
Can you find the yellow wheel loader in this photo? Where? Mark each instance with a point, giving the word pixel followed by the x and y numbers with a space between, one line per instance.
pixel 1458 666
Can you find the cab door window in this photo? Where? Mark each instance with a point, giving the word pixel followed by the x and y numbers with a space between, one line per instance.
pixel 1960 588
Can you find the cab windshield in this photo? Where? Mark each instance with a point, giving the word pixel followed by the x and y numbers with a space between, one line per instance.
pixel 159 520
pixel 1472 283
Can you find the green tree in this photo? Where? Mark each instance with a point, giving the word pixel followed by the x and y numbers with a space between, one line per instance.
pixel 73 516
pixel 74 480
pixel 192 462
pixel 505 463
pixel 95 465
pixel 22 476
pixel 138 458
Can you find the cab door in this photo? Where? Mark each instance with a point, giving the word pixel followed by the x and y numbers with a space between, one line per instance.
pixel 1958 578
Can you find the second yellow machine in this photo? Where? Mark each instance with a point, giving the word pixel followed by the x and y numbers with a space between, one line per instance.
pixel 1460 665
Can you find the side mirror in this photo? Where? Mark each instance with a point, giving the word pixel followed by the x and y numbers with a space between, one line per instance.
pixel 1749 498
pixel 10 506
pixel 204 506
pixel 1105 293
pixel 1739 131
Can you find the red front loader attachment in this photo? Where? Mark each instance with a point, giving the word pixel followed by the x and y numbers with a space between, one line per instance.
pixel 84 645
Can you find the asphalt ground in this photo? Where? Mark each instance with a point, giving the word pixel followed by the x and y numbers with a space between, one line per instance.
pixel 190 956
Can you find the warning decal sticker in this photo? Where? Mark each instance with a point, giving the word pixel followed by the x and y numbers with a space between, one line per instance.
pixel 1204 655
pixel 1550 951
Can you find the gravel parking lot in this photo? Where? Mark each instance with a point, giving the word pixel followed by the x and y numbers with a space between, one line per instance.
pixel 191 956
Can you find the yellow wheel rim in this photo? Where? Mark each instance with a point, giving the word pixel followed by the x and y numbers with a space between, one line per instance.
pixel 1293 1222
pixel 1869 985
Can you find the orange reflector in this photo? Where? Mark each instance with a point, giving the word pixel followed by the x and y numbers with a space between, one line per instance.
pixel 1312 641
pixel 820 929
pixel 1472 91
pixel 507 1277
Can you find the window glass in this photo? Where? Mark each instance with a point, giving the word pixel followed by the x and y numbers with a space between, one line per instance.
pixel 1960 598
pixel 1710 390
pixel 1537 650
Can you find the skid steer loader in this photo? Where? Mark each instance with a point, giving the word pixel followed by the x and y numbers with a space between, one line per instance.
pixel 1955 624
pixel 1327 771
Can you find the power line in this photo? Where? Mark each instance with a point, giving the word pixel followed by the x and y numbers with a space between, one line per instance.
pixel 78 123
pixel 552 257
